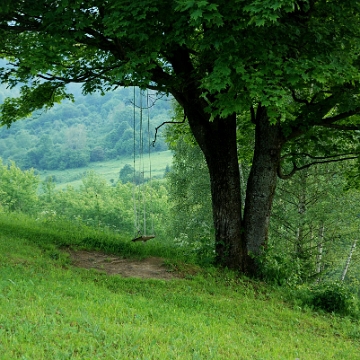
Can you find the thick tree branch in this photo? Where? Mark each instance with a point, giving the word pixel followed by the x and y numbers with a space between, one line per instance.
pixel 298 100
pixel 313 114
pixel 330 120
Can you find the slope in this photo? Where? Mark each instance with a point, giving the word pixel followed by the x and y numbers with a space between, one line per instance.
pixel 50 309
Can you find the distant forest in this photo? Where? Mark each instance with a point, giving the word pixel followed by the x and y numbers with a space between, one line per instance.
pixel 92 128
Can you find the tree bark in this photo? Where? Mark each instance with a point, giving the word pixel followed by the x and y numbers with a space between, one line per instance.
pixel 224 173
pixel 217 139
pixel 236 240
pixel 261 186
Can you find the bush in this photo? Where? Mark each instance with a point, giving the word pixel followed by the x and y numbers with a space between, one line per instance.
pixel 332 297
pixel 126 174
pixel 18 190
pixel 279 268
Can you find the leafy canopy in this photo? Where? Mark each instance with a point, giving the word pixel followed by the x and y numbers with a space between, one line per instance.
pixel 298 59
pixel 236 53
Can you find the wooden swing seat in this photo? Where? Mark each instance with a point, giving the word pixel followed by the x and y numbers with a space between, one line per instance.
pixel 143 238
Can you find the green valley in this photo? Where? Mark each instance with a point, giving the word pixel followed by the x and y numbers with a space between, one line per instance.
pixel 109 169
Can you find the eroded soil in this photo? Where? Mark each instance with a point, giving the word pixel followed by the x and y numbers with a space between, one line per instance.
pixel 152 267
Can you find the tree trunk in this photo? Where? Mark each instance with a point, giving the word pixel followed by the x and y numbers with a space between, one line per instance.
pixel 300 233
pixel 217 139
pixel 236 239
pixel 348 261
pixel 261 186
pixel 320 248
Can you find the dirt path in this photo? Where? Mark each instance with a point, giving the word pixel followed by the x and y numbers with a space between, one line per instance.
pixel 152 267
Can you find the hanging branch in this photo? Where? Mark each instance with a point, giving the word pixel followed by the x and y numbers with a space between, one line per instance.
pixel 166 122
pixel 318 160
pixel 319 157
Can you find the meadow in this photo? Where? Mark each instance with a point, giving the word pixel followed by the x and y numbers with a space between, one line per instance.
pixel 109 170
pixel 50 309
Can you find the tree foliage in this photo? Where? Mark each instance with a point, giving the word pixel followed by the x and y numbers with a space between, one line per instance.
pixel 269 53
pixel 98 204
pixel 289 67
pixel 189 195
pixel 18 189
pixel 314 221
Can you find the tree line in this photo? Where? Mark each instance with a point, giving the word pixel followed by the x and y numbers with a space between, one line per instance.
pixel 95 203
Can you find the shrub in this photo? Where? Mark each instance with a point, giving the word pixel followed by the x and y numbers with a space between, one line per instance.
pixel 279 268
pixel 332 297
pixel 18 190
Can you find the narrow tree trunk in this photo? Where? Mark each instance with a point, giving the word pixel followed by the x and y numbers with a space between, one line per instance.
pixel 242 186
pixel 348 260
pixel 320 247
pixel 261 186
pixel 300 237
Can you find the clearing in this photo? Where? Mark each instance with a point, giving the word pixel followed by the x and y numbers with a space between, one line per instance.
pixel 152 267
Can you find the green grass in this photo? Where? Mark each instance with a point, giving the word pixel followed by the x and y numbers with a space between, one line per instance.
pixel 110 169
pixel 52 235
pixel 51 310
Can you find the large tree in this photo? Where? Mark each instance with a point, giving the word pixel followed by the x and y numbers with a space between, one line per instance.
pixel 291 66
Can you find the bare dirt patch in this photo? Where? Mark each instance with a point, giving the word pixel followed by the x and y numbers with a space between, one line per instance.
pixel 152 267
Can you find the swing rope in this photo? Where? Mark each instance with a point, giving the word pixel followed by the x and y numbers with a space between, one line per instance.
pixel 141 186
pixel 136 220
pixel 150 173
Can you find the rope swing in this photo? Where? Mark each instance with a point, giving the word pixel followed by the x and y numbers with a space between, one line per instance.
pixel 139 190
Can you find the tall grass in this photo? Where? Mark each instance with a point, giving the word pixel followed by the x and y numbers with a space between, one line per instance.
pixel 51 310
pixel 63 233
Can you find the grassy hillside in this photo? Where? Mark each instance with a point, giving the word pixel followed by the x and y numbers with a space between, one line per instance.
pixel 110 169
pixel 52 310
